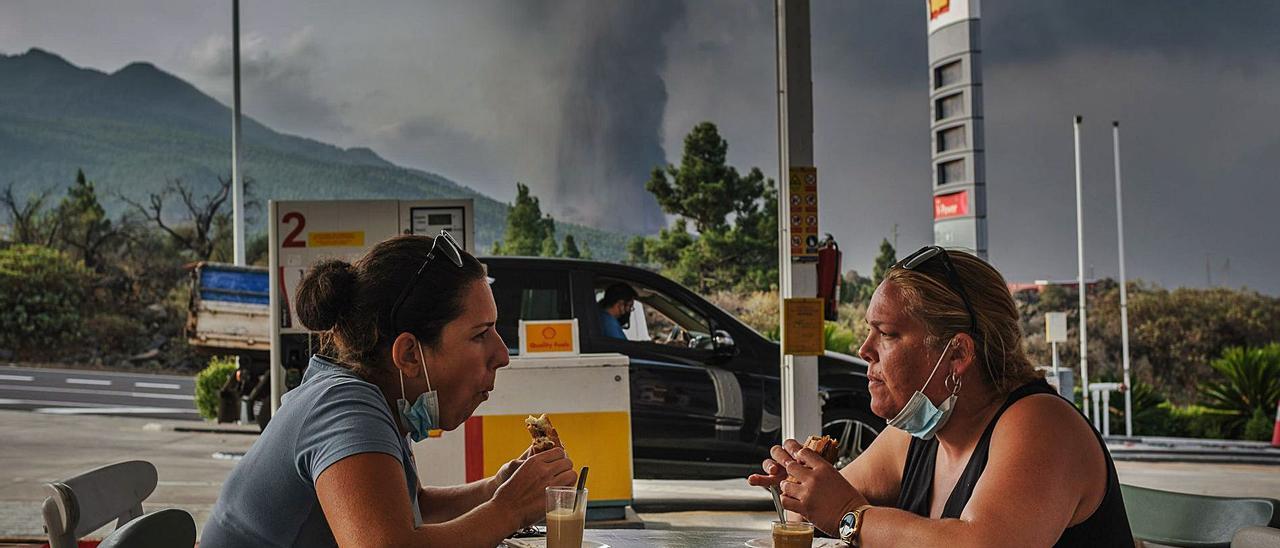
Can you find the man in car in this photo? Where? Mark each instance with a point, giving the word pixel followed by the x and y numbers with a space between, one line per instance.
pixel 615 309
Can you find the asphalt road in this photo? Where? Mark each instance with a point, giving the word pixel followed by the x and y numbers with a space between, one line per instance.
pixel 76 392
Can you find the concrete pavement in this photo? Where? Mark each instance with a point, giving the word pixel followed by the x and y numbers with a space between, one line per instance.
pixel 39 448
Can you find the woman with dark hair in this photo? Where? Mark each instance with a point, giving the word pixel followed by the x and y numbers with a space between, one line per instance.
pixel 983 452
pixel 408 333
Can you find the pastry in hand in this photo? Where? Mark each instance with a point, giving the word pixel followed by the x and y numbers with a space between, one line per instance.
pixel 544 434
pixel 826 446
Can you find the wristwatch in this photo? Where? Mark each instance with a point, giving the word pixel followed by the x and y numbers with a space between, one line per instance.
pixel 851 525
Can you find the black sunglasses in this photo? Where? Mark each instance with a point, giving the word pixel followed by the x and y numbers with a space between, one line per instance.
pixel 445 245
pixel 923 255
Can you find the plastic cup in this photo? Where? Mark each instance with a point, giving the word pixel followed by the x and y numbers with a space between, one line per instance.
pixel 566 516
pixel 792 534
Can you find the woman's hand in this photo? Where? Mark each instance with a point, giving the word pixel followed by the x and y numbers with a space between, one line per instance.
pixel 504 472
pixel 524 492
pixel 774 471
pixel 818 492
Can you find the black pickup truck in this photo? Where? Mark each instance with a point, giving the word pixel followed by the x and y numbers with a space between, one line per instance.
pixel 705 394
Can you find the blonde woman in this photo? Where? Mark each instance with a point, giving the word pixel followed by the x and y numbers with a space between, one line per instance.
pixel 983 452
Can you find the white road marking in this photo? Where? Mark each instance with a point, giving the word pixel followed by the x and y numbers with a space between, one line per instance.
pixel 162 385
pixel 20 378
pixel 110 410
pixel 89 373
pixel 94 382
pixel 99 392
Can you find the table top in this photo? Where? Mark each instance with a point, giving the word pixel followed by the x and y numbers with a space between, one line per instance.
pixel 707 538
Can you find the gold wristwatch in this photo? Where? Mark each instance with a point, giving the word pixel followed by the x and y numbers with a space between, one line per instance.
pixel 851 525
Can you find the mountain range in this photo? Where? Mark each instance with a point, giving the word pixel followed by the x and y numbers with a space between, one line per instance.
pixel 134 130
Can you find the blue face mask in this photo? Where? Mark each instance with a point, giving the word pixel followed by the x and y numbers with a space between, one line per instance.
pixel 424 415
pixel 920 417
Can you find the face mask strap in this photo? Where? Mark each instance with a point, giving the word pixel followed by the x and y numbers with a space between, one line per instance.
pixel 422 357
pixel 935 366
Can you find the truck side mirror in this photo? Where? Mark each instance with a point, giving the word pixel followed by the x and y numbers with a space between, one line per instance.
pixel 722 341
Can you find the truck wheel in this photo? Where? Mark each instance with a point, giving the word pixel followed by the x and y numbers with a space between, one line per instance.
pixel 854 429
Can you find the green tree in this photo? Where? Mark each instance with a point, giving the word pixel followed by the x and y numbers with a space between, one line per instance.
pixel 734 243
pixel 570 247
pixel 586 250
pixel 703 189
pixel 856 288
pixel 86 230
pixel 528 230
pixel 884 261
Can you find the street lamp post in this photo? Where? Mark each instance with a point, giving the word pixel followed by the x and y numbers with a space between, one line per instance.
pixel 1084 344
pixel 1124 300
pixel 237 184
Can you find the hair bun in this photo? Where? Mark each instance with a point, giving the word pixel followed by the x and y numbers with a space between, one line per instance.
pixel 325 294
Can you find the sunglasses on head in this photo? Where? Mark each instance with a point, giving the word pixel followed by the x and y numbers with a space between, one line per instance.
pixel 442 245
pixel 929 252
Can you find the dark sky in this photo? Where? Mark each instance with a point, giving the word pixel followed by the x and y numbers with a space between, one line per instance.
pixel 577 98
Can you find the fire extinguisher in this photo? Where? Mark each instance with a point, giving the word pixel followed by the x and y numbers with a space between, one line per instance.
pixel 829 276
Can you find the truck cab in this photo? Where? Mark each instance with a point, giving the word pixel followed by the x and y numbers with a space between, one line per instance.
pixel 705 390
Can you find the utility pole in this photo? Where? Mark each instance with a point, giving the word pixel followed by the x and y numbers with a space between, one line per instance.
pixel 1124 290
pixel 1084 333
pixel 237 182
pixel 801 406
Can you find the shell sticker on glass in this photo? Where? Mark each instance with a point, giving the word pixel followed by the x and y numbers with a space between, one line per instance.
pixel 549 338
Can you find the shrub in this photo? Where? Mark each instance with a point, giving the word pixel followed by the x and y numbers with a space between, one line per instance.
pixel 837 338
pixel 209 383
pixel 1250 382
pixel 42 291
pixel 1259 428
pixel 1196 421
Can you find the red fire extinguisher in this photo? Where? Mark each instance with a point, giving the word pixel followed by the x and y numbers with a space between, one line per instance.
pixel 829 276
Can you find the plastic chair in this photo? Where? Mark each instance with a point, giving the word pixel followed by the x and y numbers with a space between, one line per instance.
pixel 1256 537
pixel 1193 521
pixel 80 505
pixel 168 528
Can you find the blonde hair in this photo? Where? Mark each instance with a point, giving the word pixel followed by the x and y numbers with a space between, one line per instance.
pixel 998 343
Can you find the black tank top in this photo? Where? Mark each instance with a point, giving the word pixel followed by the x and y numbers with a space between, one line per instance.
pixel 1107 526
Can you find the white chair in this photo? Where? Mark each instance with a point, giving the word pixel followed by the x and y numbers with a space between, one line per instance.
pixel 82 504
pixel 1256 537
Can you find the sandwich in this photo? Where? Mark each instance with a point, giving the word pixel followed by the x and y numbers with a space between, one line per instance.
pixel 826 446
pixel 543 433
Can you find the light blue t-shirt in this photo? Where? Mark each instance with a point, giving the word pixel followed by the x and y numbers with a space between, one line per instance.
pixel 270 497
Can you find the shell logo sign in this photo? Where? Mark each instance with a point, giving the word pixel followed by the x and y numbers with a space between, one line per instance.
pixel 549 338
pixel 938 7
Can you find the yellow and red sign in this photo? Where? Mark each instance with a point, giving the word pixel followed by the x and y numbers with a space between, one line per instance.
pixel 803 212
pixel 955 204
pixel 938 7
pixel 549 338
